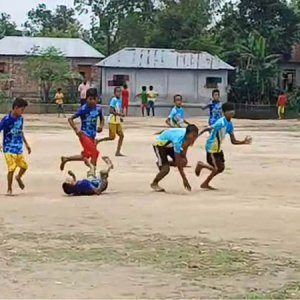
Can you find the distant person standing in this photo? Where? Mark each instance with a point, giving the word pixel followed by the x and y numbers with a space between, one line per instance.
pixel 144 99
pixel 59 100
pixel 215 108
pixel 281 104
pixel 125 99
pixel 152 96
pixel 82 89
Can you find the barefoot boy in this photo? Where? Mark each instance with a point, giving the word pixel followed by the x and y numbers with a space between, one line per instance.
pixel 214 153
pixel 13 140
pixel 176 117
pixel 89 114
pixel 115 121
pixel 173 143
pixel 88 187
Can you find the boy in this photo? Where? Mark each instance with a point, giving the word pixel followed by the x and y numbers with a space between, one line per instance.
pixel 215 108
pixel 176 117
pixel 125 99
pixel 114 121
pixel 281 104
pixel 173 143
pixel 88 187
pixel 214 153
pixel 13 139
pixel 89 114
pixel 151 98
pixel 59 100
pixel 144 99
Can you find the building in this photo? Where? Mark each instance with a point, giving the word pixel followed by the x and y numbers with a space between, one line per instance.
pixel 190 73
pixel 14 50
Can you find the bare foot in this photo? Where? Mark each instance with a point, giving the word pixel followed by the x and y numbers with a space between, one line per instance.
pixel 157 188
pixel 120 155
pixel 198 169
pixel 20 182
pixel 9 193
pixel 63 163
pixel 208 187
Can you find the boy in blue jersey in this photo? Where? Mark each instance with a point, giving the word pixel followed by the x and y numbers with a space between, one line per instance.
pixel 173 143
pixel 214 153
pixel 215 108
pixel 176 117
pixel 115 120
pixel 89 186
pixel 89 114
pixel 13 140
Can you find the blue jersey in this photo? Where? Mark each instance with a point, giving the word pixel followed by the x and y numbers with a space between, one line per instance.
pixel 176 116
pixel 116 104
pixel 174 137
pixel 215 112
pixel 12 134
pixel 86 187
pixel 89 117
pixel 217 135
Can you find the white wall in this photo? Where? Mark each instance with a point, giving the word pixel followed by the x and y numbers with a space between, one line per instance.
pixel 189 83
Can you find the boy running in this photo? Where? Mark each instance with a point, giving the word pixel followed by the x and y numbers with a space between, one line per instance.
pixel 144 99
pixel 89 114
pixel 115 120
pixel 176 117
pixel 214 153
pixel 90 186
pixel 59 100
pixel 215 108
pixel 173 143
pixel 13 140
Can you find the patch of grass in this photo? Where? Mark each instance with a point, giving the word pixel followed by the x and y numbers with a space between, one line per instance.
pixel 288 291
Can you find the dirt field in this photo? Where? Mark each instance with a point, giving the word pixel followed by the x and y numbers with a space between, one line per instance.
pixel 242 241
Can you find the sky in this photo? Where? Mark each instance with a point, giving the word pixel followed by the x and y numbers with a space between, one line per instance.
pixel 18 9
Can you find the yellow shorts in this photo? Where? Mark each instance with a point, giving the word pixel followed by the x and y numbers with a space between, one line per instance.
pixel 14 161
pixel 281 110
pixel 115 129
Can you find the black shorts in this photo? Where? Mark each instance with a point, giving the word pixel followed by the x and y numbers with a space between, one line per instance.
pixel 162 154
pixel 216 160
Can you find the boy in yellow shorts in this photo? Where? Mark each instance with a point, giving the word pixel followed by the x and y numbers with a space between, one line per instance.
pixel 115 120
pixel 13 140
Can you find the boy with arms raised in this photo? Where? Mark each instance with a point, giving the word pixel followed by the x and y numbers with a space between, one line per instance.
pixel 13 140
pixel 214 152
pixel 173 143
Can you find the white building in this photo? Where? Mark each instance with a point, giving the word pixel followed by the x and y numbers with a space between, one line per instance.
pixel 190 73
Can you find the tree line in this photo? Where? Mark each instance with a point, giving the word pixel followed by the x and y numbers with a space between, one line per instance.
pixel 252 35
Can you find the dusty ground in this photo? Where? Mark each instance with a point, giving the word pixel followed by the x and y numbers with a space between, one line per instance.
pixel 242 241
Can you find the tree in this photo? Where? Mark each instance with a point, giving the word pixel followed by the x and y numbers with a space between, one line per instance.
pixel 61 22
pixel 273 19
pixel 7 26
pixel 258 69
pixel 113 18
pixel 48 66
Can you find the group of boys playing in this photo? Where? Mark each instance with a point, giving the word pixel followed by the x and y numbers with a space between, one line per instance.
pixel 172 143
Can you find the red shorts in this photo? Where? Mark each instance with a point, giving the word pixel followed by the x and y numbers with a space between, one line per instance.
pixel 125 104
pixel 89 147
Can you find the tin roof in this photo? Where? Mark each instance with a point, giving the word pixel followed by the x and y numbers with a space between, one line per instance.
pixel 72 48
pixel 149 58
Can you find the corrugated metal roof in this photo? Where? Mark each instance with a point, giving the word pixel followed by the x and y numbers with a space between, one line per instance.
pixel 72 48
pixel 164 59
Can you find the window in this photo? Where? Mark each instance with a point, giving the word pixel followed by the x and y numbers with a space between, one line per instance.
pixel 212 82
pixel 2 67
pixel 119 80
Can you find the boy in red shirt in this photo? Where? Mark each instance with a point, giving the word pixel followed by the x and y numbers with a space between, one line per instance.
pixel 281 103
pixel 125 99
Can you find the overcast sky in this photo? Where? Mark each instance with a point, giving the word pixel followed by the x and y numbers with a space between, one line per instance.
pixel 19 8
